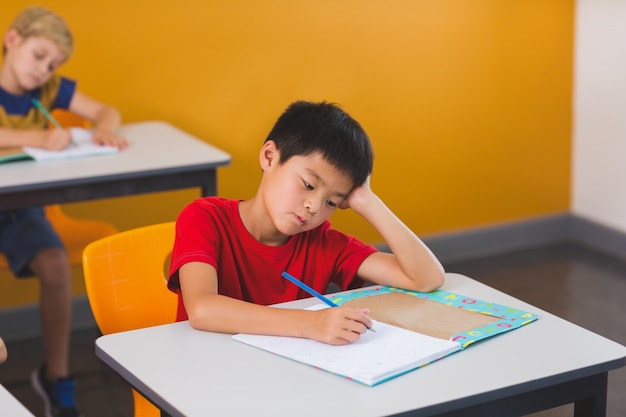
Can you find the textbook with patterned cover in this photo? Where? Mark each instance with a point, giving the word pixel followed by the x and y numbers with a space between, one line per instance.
pixel 413 329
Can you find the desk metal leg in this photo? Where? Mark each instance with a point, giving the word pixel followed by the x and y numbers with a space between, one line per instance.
pixel 209 187
pixel 594 406
pixel 588 394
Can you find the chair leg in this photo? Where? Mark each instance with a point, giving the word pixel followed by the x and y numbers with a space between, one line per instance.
pixel 143 407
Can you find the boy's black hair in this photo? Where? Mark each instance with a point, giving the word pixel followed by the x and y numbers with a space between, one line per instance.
pixel 305 128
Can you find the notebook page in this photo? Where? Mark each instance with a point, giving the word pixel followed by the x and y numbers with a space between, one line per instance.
pixel 376 357
pixel 84 148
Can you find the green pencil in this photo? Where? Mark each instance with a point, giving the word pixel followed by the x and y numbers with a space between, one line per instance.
pixel 48 116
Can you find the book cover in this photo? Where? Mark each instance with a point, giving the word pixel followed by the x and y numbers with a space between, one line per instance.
pixel 13 154
pixel 438 313
pixel 412 330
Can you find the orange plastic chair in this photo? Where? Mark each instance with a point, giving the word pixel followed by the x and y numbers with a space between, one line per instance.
pixel 126 287
pixel 68 119
pixel 75 233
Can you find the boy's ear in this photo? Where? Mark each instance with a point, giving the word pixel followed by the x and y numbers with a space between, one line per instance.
pixel 11 38
pixel 269 155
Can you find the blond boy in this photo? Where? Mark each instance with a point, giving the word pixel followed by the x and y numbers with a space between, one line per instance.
pixel 35 45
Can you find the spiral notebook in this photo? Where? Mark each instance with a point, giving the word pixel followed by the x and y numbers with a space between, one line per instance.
pixel 412 330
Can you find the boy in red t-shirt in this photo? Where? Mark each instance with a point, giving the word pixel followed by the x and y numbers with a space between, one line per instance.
pixel 229 255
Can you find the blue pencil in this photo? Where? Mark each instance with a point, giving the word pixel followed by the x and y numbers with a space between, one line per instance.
pixel 312 292
pixel 308 289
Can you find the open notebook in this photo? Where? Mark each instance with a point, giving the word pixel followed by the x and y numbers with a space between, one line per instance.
pixel 84 147
pixel 412 330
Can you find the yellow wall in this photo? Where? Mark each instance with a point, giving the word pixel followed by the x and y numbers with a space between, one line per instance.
pixel 468 103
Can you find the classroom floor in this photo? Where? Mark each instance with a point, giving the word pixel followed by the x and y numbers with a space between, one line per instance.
pixel 590 286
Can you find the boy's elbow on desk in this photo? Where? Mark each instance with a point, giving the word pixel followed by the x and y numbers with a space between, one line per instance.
pixel 197 315
pixel 202 317
pixel 434 277
pixel 438 279
pixel 438 276
pixel 201 321
pixel 430 281
pixel 194 320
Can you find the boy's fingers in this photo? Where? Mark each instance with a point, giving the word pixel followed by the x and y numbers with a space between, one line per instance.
pixel 361 317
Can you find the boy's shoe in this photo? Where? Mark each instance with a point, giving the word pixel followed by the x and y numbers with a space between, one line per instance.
pixel 58 397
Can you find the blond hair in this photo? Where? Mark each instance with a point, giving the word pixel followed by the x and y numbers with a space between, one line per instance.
pixel 37 21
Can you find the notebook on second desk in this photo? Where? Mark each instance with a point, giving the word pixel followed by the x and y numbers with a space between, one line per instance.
pixel 412 330
pixel 83 147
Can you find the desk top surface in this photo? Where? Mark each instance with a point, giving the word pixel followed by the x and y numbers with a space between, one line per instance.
pixel 195 373
pixel 153 147
pixel 10 406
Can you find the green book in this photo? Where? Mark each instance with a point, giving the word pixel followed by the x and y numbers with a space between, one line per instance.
pixel 13 154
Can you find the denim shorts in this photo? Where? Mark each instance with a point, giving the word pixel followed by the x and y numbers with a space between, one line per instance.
pixel 23 234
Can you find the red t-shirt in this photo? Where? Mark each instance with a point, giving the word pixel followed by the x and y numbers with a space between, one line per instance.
pixel 210 230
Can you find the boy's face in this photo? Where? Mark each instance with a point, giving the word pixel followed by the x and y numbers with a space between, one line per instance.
pixel 303 192
pixel 30 62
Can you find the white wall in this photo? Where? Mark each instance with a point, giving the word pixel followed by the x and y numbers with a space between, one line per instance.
pixel 599 130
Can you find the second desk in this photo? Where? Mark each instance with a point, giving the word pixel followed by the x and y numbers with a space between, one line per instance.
pixel 160 157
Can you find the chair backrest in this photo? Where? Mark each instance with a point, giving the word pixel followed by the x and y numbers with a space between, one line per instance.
pixel 125 279
pixel 68 119
pixel 77 233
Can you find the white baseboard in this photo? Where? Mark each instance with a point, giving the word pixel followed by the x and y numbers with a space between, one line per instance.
pixel 487 241
pixel 492 240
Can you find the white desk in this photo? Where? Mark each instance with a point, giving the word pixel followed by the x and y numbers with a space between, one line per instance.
pixel 10 406
pixel 160 157
pixel 547 363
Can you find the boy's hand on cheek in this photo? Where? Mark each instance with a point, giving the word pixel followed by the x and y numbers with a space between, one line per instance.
pixel 358 198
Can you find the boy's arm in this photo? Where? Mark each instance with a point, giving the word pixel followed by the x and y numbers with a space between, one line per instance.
pixel 3 351
pixel 106 119
pixel 51 139
pixel 207 310
pixel 411 265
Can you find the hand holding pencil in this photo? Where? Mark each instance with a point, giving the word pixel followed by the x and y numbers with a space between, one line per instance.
pixel 336 326
pixel 350 321
pixel 58 138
